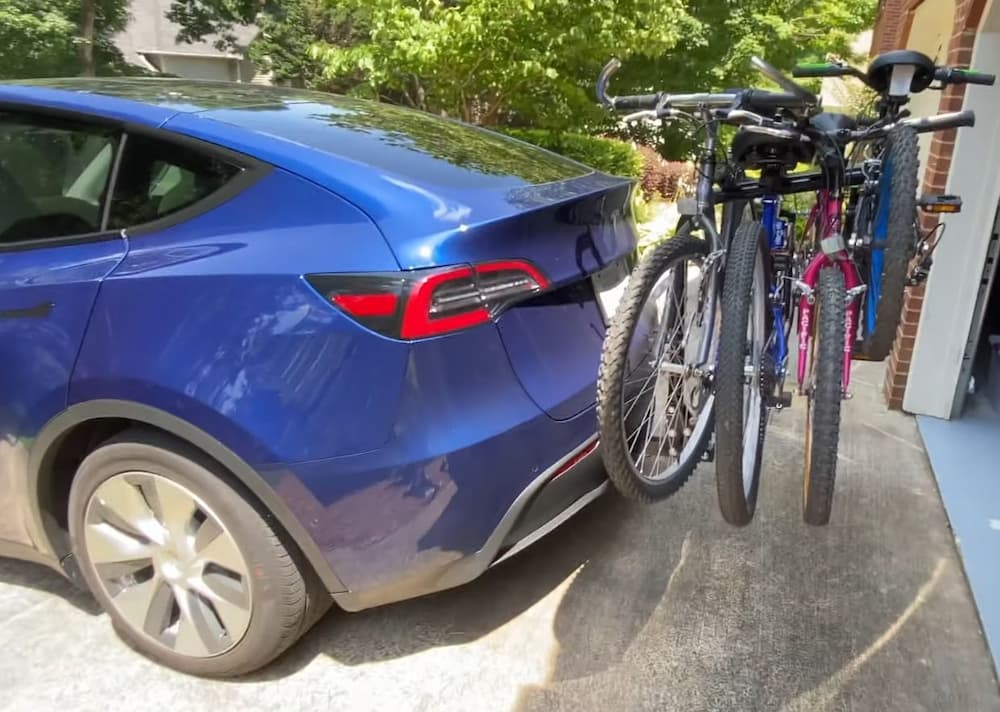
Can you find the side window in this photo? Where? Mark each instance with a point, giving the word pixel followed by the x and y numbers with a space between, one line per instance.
pixel 157 178
pixel 53 177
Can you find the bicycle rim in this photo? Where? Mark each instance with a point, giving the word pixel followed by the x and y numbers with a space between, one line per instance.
pixel 666 405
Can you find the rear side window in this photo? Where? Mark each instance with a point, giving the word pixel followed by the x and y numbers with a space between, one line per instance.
pixel 53 177
pixel 157 178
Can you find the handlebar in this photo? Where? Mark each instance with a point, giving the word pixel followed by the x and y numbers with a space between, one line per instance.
pixel 952 120
pixel 952 75
pixel 828 69
pixel 794 96
pixel 945 75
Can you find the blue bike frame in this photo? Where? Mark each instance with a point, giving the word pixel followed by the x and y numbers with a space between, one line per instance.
pixel 777 239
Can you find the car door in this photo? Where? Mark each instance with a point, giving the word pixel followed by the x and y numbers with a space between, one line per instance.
pixel 54 252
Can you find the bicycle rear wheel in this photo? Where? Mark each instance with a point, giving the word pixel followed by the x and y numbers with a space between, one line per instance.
pixel 740 376
pixel 894 243
pixel 653 405
pixel 826 391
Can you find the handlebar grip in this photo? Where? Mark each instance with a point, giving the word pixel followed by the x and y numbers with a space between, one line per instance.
pixel 824 69
pixel 941 122
pixel 967 76
pixel 636 102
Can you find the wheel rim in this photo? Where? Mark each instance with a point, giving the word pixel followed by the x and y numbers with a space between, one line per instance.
pixel 752 367
pixel 666 407
pixel 167 563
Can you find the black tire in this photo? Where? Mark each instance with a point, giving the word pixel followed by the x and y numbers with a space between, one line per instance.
pixel 614 370
pixel 901 152
pixel 286 598
pixel 823 406
pixel 744 261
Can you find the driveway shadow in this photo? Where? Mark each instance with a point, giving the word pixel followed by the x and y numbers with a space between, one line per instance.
pixel 467 613
pixel 24 574
pixel 683 612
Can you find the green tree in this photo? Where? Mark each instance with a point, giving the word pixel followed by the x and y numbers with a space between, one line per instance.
pixel 526 62
pixel 496 61
pixel 784 32
pixel 40 38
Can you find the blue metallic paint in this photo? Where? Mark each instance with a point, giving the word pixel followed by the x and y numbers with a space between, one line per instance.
pixel 398 458
pixel 37 354
pixel 240 345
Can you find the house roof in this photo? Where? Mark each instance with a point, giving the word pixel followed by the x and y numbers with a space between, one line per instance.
pixel 150 32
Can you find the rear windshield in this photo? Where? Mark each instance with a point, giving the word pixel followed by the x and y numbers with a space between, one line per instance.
pixel 405 142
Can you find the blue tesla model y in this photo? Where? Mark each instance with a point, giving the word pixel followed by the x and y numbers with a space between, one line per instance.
pixel 264 349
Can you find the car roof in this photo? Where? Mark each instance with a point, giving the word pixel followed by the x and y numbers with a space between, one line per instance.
pixel 147 100
pixel 410 171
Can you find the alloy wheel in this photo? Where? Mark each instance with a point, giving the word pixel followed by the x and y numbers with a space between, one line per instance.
pixel 168 564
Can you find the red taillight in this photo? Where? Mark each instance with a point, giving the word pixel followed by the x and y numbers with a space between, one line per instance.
pixel 367 305
pixel 423 303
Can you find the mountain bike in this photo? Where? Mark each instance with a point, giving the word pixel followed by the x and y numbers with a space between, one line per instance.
pixel 656 388
pixel 881 220
pixel 829 289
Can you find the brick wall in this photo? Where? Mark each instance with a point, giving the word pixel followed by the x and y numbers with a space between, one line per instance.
pixel 967 16
pixel 889 25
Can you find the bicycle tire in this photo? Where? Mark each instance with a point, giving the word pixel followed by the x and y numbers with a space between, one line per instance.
pixel 900 242
pixel 737 500
pixel 615 448
pixel 824 402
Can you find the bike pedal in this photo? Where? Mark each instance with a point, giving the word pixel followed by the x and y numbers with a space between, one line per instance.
pixel 937 204
pixel 709 454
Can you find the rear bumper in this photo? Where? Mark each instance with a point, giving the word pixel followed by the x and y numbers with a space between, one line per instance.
pixel 548 501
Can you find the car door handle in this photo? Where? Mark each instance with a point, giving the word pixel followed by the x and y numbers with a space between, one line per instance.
pixel 39 311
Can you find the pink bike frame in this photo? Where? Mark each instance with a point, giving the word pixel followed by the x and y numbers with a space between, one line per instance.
pixel 826 212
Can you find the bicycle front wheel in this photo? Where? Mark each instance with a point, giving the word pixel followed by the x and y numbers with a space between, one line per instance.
pixel 653 404
pixel 741 375
pixel 825 395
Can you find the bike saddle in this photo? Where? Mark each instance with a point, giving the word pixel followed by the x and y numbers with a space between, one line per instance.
pixel 755 147
pixel 880 70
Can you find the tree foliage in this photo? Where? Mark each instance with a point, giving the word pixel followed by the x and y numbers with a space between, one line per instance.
pixel 496 61
pixel 40 38
pixel 526 62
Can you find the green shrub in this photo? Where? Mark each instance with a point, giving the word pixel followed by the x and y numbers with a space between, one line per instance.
pixel 604 154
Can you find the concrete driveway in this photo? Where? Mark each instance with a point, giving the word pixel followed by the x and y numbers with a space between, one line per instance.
pixel 624 608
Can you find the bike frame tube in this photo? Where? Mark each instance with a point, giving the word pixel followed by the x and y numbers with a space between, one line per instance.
pixel 706 217
pixel 770 206
pixel 826 212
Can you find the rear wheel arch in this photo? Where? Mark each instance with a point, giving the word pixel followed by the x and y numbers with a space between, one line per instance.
pixel 70 436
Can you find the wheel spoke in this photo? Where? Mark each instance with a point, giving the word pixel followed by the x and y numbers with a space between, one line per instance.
pixel 229 598
pixel 107 544
pixel 197 630
pixel 134 602
pixel 122 503
pixel 220 550
pixel 174 508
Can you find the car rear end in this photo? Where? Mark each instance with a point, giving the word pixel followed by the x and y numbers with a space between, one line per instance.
pixel 511 260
